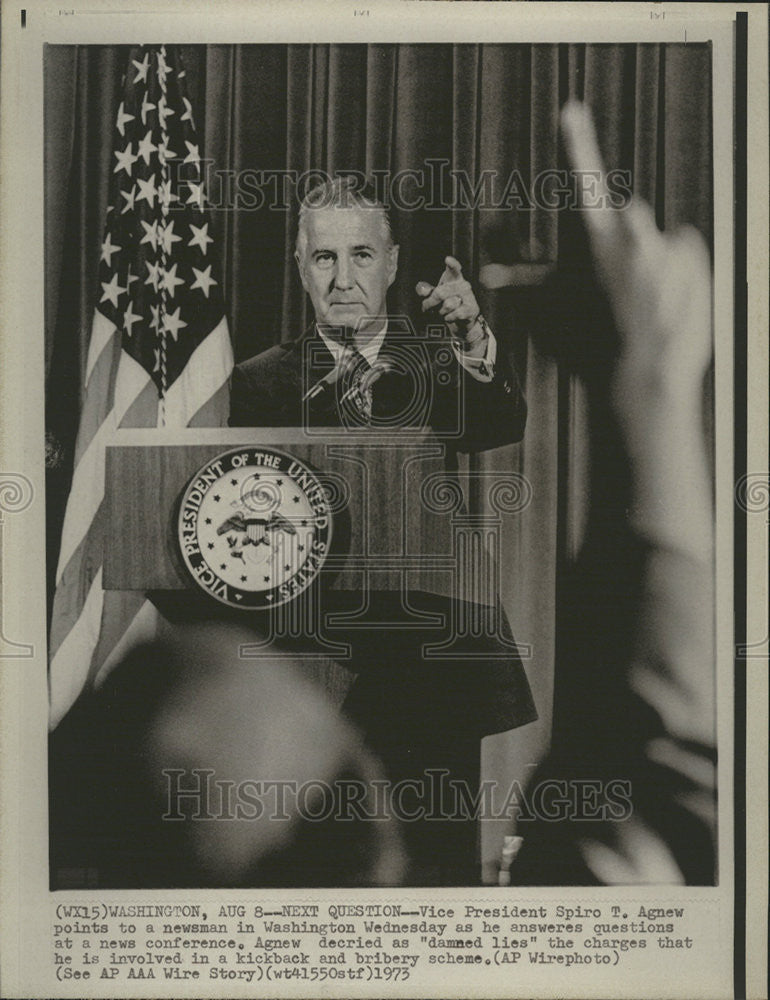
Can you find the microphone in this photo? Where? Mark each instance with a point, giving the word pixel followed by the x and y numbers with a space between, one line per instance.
pixel 330 377
pixel 379 368
pixel 322 385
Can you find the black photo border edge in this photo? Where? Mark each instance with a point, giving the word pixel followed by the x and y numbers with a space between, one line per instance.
pixel 740 459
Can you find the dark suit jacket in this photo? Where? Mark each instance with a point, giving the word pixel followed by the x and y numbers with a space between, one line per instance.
pixel 397 693
pixel 430 385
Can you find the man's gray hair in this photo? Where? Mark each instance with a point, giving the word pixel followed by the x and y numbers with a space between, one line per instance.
pixel 341 192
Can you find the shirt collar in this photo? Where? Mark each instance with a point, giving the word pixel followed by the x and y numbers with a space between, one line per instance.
pixel 369 350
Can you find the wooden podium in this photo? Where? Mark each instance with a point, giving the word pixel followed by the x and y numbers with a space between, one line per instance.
pixel 400 522
pixel 400 527
pixel 392 502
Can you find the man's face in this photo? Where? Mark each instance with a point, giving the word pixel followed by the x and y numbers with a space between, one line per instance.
pixel 347 267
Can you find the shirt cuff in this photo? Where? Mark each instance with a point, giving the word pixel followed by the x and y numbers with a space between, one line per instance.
pixel 483 368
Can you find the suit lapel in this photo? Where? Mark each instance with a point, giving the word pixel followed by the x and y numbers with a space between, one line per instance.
pixel 305 361
pixel 315 356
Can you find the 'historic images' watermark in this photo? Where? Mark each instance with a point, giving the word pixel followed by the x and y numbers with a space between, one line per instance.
pixel 200 795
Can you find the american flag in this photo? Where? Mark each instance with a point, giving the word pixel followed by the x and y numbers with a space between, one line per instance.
pixel 159 354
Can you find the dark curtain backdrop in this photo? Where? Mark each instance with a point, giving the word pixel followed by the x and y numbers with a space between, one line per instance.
pixel 394 108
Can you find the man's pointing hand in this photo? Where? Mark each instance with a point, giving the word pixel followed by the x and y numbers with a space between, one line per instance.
pixel 454 300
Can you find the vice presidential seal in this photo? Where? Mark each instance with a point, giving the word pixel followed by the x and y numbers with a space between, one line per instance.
pixel 254 527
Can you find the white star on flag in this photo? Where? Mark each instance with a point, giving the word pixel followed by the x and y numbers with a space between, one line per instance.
pixel 122 119
pixel 193 156
pixel 164 111
pixel 129 318
pixel 163 68
pixel 196 194
pixel 201 237
pixel 146 106
pixel 172 323
pixel 150 233
pixel 111 290
pixel 129 196
pixel 153 276
pixel 203 280
pixel 126 160
pixel 141 68
pixel 108 249
pixel 146 190
pixel 170 280
pixel 187 116
pixel 145 148
pixel 164 152
pixel 166 195
pixel 168 237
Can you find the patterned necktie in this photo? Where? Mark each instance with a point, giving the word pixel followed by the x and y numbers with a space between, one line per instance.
pixel 355 391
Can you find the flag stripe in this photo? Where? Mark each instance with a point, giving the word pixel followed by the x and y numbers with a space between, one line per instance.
pixel 215 412
pixel 69 667
pixel 85 495
pixel 88 481
pixel 206 372
pixel 99 393
pixel 132 380
pixel 128 619
pixel 76 579
pixel 102 332
pixel 143 412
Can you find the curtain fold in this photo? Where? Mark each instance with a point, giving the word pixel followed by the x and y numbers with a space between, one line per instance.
pixel 415 113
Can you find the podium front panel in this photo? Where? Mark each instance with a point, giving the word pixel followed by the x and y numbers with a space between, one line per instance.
pixel 395 507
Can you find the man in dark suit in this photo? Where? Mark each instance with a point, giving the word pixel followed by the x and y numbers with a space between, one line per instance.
pixel 357 366
pixel 347 261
